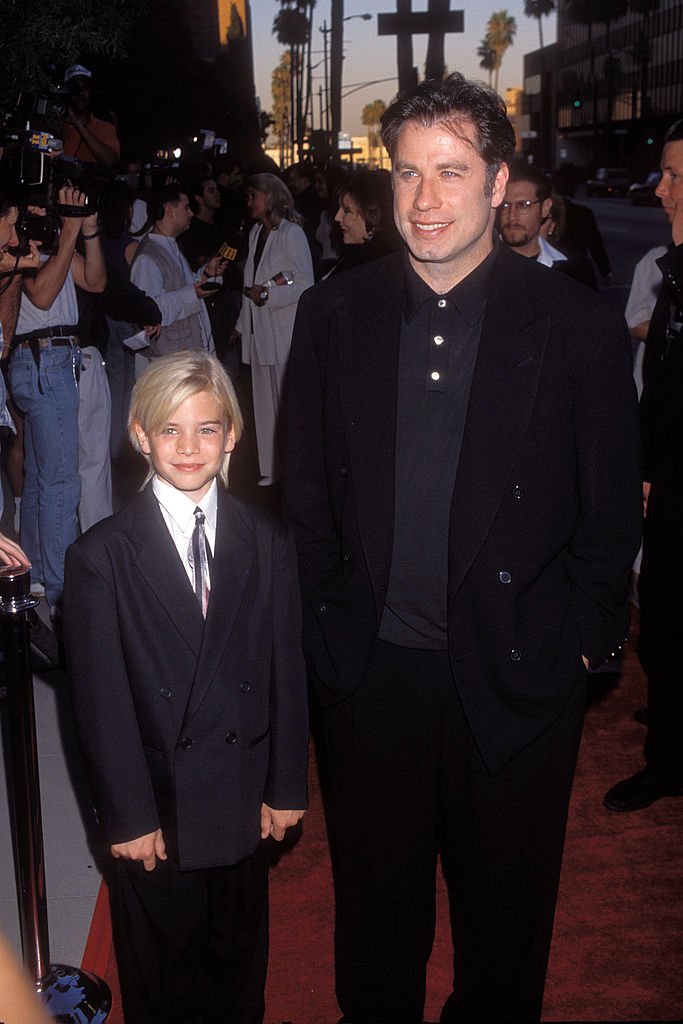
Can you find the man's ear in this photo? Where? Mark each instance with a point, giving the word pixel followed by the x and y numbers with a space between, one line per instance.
pixel 143 440
pixel 499 185
pixel 546 207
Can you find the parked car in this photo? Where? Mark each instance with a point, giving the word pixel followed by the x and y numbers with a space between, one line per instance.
pixel 642 193
pixel 609 181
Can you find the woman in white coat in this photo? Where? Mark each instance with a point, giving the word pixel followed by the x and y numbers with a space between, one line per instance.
pixel 277 272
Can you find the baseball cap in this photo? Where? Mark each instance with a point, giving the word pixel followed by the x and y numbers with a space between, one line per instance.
pixel 76 71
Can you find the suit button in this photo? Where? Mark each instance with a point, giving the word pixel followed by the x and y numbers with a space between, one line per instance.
pixel 505 577
pixel 231 737
pixel 165 691
pixel 323 607
pixel 245 687
pixel 185 742
pixel 346 557
pixel 515 655
pixel 343 471
pixel 517 492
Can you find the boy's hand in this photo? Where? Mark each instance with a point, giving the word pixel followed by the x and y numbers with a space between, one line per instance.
pixel 275 823
pixel 146 848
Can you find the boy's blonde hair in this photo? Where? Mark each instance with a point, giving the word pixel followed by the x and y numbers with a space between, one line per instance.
pixel 170 380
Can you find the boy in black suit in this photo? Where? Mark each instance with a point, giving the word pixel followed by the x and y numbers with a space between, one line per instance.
pixel 182 627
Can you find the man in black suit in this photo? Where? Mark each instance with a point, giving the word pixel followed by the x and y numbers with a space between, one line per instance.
pixel 182 625
pixel 659 587
pixel 462 477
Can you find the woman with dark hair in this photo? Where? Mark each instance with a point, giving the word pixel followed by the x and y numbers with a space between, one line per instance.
pixel 277 272
pixel 366 219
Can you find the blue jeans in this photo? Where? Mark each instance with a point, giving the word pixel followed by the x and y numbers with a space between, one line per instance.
pixel 48 398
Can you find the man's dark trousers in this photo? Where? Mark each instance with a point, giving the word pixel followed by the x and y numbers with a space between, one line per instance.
pixel 408 782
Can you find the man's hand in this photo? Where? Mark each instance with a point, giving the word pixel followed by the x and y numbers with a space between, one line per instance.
pixel 646 496
pixel 11 553
pixel 71 196
pixel 31 261
pixel 215 266
pixel 147 849
pixel 254 293
pixel 275 823
pixel 152 330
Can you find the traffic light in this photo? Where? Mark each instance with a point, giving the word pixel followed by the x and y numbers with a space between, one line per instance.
pixel 577 102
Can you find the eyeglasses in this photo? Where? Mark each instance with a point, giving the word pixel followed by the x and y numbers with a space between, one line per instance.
pixel 521 206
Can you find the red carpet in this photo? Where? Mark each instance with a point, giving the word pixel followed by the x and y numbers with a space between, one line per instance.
pixel 618 943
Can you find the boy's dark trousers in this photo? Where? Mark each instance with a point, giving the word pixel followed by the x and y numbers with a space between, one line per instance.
pixel 191 946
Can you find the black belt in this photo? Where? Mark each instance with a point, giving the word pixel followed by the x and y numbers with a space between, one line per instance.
pixel 55 334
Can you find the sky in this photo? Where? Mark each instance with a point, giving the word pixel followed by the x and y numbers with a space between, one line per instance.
pixel 369 57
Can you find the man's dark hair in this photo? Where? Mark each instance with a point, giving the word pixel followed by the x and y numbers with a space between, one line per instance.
pixel 452 103
pixel 9 192
pixel 196 188
pixel 520 170
pixel 157 202
pixel 675 132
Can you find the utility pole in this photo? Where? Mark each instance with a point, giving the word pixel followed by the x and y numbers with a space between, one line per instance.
pixel 336 58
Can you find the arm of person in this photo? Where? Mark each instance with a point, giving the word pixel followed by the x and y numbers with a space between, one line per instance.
pixel 90 272
pixel 11 553
pixel 44 288
pixel 102 701
pixel 19 1003
pixel 608 526
pixel 297 258
pixel 285 794
pixel 105 150
pixel 306 502
pixel 174 305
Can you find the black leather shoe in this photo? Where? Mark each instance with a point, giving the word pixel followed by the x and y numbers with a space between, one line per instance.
pixel 641 790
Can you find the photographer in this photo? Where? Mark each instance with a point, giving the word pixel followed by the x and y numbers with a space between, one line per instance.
pixel 43 373
pixel 11 268
pixel 85 136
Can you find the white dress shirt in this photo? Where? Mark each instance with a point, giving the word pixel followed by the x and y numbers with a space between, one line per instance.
pixel 173 305
pixel 178 512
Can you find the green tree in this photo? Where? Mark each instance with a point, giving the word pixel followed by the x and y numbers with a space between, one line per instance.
pixel 40 40
pixel 370 117
pixel 487 57
pixel 539 9
pixel 500 33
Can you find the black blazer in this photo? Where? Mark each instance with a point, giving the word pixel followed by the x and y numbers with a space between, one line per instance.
pixel 186 724
pixel 548 490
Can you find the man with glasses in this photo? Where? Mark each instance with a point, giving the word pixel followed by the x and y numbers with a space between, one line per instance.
pixel 521 217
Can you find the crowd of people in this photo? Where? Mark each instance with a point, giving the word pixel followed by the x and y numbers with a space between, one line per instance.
pixel 446 433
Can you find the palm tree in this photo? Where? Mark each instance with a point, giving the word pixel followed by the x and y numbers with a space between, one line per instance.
pixel 539 9
pixel 488 57
pixel 370 116
pixel 500 33
pixel 292 26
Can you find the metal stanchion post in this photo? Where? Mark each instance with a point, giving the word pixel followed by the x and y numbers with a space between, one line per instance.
pixel 69 993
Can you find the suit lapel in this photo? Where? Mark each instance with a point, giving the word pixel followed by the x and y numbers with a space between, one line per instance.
pixel 158 561
pixel 369 336
pixel 504 388
pixel 232 563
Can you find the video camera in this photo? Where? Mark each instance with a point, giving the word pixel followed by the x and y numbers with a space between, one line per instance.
pixel 33 163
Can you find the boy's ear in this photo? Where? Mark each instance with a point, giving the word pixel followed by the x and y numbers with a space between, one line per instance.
pixel 230 441
pixel 142 439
